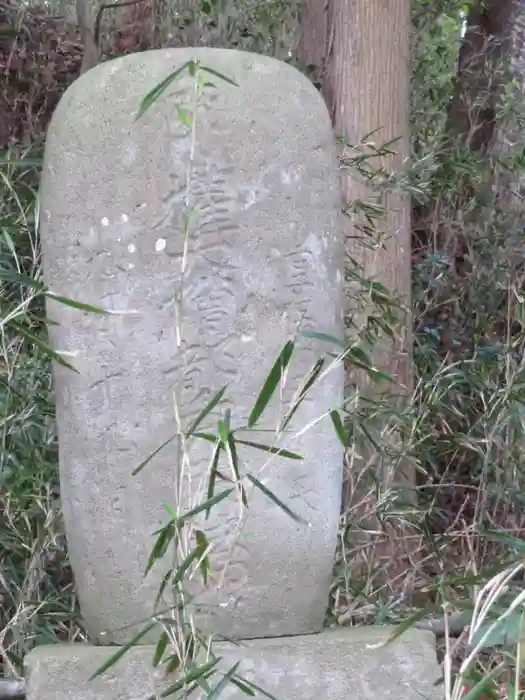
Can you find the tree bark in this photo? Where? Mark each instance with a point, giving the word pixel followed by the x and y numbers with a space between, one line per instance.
pixel 485 120
pixel 86 23
pixel 492 56
pixel 362 51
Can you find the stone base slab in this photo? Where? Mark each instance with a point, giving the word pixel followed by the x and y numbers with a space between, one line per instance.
pixel 337 664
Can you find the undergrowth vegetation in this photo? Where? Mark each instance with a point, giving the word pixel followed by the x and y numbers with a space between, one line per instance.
pixel 37 598
pixel 463 429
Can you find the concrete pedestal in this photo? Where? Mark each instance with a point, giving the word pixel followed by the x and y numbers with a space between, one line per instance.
pixel 334 665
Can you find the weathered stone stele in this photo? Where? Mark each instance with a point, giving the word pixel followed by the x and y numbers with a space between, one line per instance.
pixel 258 175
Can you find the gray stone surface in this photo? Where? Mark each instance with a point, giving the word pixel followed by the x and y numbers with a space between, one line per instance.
pixel 266 256
pixel 333 665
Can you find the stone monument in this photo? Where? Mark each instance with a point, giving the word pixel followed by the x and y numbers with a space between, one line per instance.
pixel 194 309
pixel 265 259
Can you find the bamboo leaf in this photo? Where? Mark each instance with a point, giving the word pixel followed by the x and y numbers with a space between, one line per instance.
pixel 268 448
pixel 162 587
pixel 22 163
pixel 171 511
pixel 403 626
pixel 339 428
pixel 324 337
pixel 507 540
pixel 219 75
pixel 215 399
pixel 506 630
pixel 79 305
pixel 121 651
pixel 152 455
pixel 173 664
pixel 276 500
pixel 221 685
pixel 193 67
pixel 184 116
pixel 303 391
pixel 271 383
pixel 9 242
pixel 209 437
pixel 483 685
pixel 231 451
pixel 185 565
pixel 189 677
pixel 202 546
pixel 213 475
pixel 360 359
pixel 46 349
pixel 224 426
pixel 240 682
pixel 160 648
pixel 154 94
pixel 242 686
pixel 206 505
pixel 165 536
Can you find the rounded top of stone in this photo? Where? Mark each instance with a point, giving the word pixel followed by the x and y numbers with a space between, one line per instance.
pixel 143 71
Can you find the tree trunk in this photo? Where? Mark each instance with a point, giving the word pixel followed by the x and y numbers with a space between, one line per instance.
pixel 485 126
pixel 362 51
pixel 86 22
pixel 495 34
pixel 492 56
